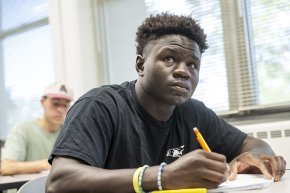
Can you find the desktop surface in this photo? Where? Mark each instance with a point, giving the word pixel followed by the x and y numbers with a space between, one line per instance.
pixel 7 182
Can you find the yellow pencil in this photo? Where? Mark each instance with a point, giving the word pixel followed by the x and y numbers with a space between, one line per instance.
pixel 201 140
pixel 193 190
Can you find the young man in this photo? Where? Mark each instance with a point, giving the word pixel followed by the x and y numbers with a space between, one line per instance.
pixel 113 130
pixel 29 144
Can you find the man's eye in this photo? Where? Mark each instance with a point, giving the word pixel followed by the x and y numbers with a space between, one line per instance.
pixel 169 59
pixel 192 65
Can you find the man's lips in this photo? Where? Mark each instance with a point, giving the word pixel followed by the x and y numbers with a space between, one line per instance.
pixel 181 85
pixel 58 117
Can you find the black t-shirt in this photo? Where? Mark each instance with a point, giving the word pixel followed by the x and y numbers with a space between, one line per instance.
pixel 108 128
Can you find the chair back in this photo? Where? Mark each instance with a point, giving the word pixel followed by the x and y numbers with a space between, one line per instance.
pixel 36 185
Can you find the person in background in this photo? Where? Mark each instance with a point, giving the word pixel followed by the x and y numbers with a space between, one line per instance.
pixel 138 136
pixel 30 143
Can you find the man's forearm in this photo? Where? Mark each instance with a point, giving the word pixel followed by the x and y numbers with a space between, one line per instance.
pixel 255 145
pixel 69 175
pixel 11 167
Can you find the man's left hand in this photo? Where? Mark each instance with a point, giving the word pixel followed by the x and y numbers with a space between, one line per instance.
pixel 270 166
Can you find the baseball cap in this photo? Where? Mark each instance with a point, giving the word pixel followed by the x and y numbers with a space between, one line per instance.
pixel 58 90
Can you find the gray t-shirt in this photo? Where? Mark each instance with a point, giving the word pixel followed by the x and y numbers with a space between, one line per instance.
pixel 28 142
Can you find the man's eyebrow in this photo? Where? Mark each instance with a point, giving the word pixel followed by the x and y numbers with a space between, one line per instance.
pixel 194 54
pixel 169 49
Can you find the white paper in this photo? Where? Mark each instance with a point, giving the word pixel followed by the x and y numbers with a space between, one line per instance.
pixel 244 182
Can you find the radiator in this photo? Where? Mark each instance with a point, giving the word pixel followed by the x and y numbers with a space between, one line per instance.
pixel 277 134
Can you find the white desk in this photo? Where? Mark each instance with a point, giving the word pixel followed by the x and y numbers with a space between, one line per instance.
pixel 7 182
pixel 277 187
pixel 16 181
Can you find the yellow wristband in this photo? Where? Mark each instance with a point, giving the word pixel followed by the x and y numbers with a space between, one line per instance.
pixel 135 180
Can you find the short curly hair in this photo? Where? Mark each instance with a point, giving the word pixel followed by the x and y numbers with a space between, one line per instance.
pixel 161 24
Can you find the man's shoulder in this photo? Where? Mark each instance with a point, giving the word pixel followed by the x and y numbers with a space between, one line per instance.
pixel 108 97
pixel 109 91
pixel 27 124
pixel 22 130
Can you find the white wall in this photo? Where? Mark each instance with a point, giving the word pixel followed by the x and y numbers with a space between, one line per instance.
pixel 89 39
pixel 276 133
pixel 122 19
pixel 77 57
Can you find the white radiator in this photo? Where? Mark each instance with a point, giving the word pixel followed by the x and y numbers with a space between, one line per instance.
pixel 277 134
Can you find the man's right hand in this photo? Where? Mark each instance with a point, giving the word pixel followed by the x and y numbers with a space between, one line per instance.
pixel 197 169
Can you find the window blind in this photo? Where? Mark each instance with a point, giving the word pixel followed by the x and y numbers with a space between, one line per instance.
pixel 26 60
pixel 271 48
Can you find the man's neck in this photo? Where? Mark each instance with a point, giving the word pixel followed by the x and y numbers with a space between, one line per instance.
pixel 161 112
pixel 48 126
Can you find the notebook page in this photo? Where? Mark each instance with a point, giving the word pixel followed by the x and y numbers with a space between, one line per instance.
pixel 243 182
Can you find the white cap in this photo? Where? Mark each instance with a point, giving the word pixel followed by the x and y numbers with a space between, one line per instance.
pixel 58 90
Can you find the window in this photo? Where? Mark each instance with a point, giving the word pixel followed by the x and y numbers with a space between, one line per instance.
pixel 25 60
pixel 246 67
pixel 271 48
pixel 247 64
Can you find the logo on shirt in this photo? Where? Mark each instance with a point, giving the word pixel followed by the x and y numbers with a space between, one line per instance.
pixel 175 152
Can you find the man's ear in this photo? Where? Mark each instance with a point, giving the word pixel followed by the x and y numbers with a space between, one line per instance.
pixel 140 65
pixel 42 100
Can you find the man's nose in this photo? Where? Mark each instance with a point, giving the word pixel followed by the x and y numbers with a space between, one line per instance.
pixel 61 108
pixel 182 70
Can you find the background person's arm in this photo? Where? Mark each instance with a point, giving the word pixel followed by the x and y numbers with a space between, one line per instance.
pixel 11 167
pixel 256 156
